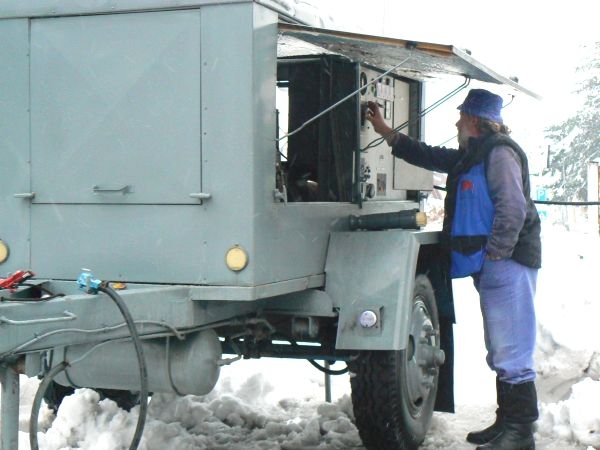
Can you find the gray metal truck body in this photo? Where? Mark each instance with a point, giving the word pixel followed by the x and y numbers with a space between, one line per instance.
pixel 140 140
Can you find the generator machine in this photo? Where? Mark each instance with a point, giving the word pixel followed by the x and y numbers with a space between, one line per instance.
pixel 188 183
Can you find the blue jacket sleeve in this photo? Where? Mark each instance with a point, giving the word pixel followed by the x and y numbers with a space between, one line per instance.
pixel 439 159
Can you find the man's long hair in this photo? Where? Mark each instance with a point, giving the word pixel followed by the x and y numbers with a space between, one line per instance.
pixel 488 127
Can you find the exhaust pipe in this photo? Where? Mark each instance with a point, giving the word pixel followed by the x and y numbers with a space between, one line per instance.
pixel 408 219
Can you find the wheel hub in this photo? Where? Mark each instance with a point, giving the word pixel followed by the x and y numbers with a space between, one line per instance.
pixel 423 356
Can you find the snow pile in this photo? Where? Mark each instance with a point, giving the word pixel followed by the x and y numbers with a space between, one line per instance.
pixel 568 311
pixel 576 419
pixel 244 417
pixel 568 353
pixel 278 404
pixel 84 421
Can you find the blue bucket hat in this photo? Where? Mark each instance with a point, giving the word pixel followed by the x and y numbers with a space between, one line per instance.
pixel 484 104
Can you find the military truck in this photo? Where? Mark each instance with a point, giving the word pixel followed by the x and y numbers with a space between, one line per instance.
pixel 209 164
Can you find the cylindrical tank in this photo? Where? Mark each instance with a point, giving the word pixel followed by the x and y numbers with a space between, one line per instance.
pixel 191 367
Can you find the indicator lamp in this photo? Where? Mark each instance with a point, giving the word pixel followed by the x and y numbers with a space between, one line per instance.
pixel 4 251
pixel 236 258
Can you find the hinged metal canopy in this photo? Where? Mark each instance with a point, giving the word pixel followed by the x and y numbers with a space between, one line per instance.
pixel 426 61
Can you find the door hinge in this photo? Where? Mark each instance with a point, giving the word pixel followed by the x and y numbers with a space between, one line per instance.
pixel 28 195
pixel 200 195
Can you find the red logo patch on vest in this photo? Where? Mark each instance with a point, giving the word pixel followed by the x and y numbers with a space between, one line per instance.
pixel 466 185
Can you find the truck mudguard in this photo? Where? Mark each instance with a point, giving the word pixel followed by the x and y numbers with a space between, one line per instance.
pixel 371 274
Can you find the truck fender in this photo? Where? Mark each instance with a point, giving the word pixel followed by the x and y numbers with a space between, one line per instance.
pixel 373 273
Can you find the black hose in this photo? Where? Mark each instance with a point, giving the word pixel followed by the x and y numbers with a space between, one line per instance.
pixel 315 364
pixel 326 370
pixel 37 403
pixel 137 342
pixel 557 202
pixel 543 202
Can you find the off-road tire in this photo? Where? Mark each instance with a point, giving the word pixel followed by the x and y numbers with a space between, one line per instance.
pixel 393 397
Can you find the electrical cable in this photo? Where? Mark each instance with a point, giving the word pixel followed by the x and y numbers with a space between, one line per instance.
pixel 49 377
pixel 447 140
pixel 41 337
pixel 316 365
pixel 37 402
pixel 557 202
pixel 542 202
pixel 179 334
pixel 67 376
pixel 56 370
pixel 137 342
pixel 511 100
pixel 434 105
pixel 346 98
pixel 168 359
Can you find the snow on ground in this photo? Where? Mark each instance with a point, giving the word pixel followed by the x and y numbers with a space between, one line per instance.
pixel 273 404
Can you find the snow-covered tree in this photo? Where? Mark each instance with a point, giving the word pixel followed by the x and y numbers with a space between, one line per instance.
pixel 577 140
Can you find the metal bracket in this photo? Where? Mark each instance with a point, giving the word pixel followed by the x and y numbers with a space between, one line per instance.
pixel 227 361
pixel 67 316
pixel 280 196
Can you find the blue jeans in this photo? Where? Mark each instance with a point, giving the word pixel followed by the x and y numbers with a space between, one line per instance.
pixel 506 291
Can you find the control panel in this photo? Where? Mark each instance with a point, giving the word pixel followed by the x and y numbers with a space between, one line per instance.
pixel 382 176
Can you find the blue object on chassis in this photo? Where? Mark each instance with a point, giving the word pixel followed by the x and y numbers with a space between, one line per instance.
pixel 138 141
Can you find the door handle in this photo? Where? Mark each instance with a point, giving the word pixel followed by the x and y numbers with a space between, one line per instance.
pixel 127 189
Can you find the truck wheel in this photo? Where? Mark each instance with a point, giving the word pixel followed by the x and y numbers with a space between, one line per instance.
pixel 393 392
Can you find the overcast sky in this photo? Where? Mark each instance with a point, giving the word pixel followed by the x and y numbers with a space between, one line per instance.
pixel 538 41
pixel 525 38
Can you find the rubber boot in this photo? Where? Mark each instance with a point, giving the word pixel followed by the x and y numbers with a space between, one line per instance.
pixel 519 407
pixel 489 433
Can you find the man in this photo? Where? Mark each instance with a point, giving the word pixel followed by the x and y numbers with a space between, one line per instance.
pixel 492 232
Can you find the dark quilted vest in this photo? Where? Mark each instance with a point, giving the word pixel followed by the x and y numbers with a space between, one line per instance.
pixel 528 249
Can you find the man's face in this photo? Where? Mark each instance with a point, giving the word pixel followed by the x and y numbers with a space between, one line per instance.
pixel 467 128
